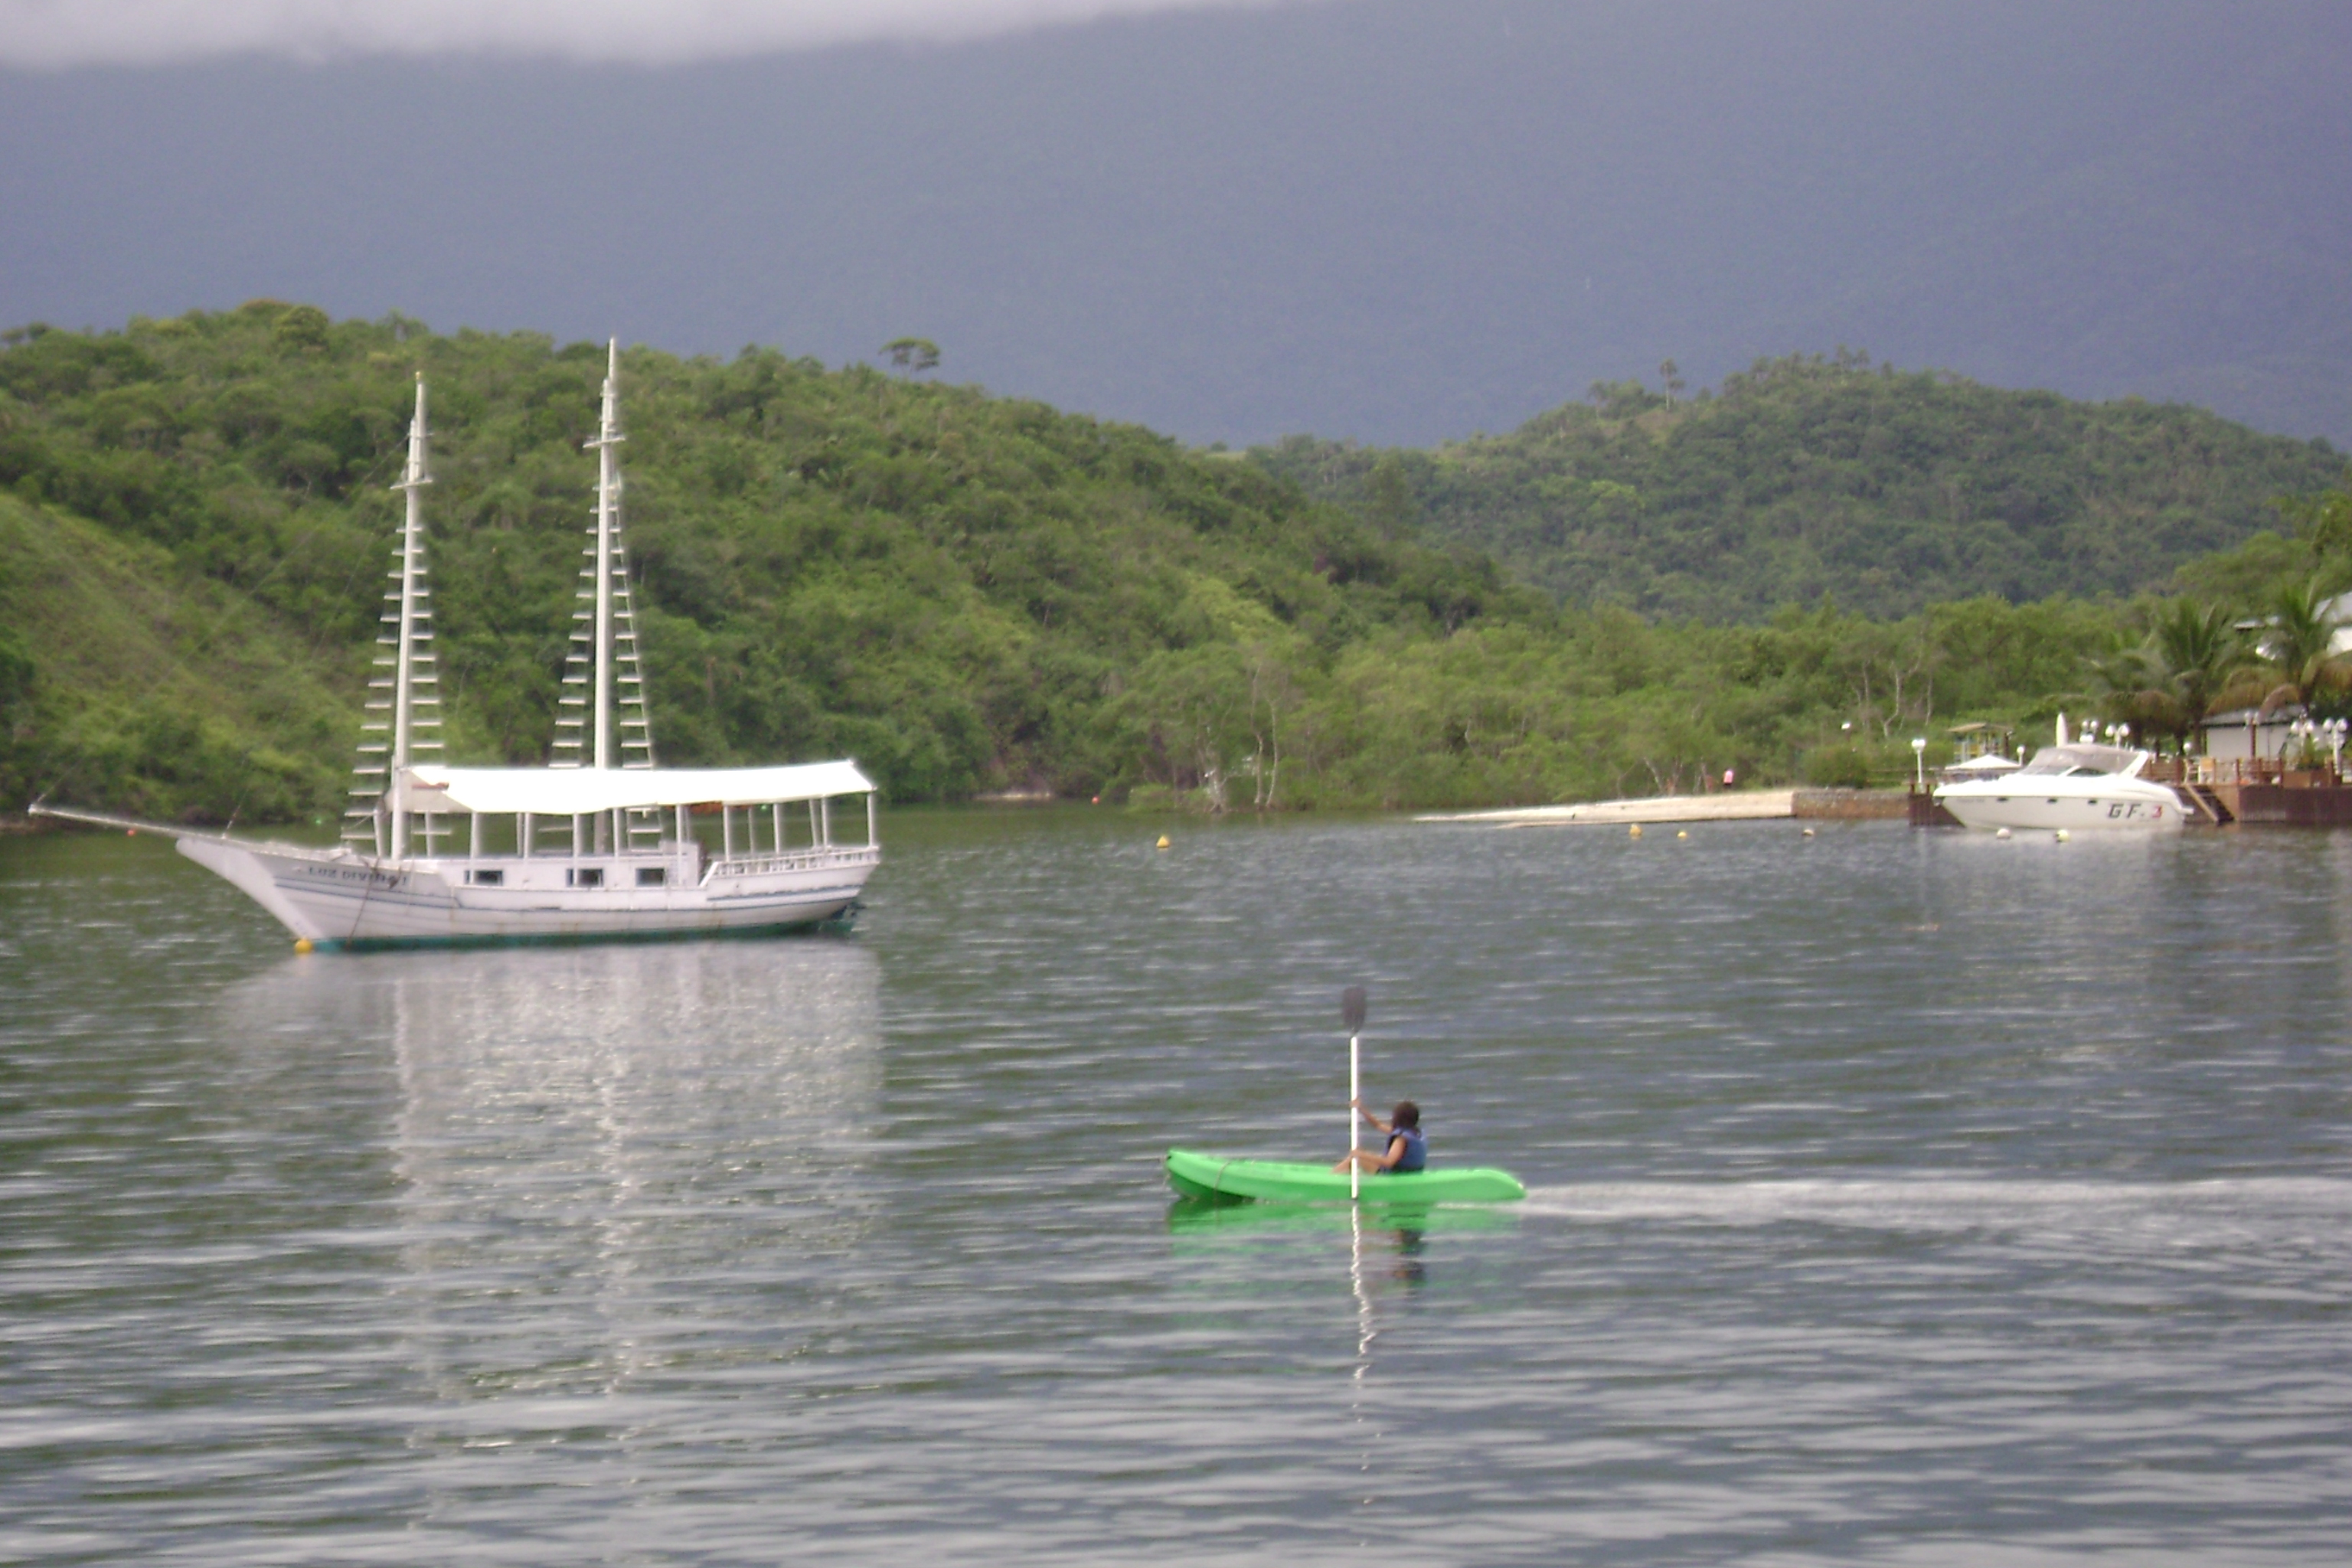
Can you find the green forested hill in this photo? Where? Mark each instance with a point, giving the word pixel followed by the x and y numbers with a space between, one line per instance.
pixel 964 593
pixel 132 680
pixel 1806 476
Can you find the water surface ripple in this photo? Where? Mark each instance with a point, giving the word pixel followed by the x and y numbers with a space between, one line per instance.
pixel 1902 1198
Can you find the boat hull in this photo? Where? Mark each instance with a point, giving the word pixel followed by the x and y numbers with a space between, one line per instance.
pixel 1201 1175
pixel 357 902
pixel 2024 804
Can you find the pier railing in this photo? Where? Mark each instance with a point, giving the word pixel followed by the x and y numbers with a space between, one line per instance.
pixel 2240 771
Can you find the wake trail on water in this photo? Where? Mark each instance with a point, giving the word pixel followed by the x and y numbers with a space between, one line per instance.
pixel 2307 1210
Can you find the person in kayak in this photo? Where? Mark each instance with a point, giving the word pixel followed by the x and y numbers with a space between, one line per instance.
pixel 1406 1152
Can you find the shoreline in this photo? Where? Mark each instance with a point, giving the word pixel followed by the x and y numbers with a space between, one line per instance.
pixel 1739 806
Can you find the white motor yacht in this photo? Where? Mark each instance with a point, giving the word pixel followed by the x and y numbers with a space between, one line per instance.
pixel 2072 786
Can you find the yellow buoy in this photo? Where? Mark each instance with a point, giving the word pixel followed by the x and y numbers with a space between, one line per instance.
pixel 302 944
pixel 1163 842
pixel 1682 832
pixel 1635 832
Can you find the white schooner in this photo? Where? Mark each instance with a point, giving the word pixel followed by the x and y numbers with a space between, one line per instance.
pixel 601 843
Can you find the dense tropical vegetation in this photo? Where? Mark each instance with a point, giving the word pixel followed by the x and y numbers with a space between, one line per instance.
pixel 1806 476
pixel 965 593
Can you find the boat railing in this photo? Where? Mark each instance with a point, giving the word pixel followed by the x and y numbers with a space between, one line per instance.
pixel 817 857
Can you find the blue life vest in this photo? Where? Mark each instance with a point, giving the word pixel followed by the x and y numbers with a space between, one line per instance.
pixel 1415 1154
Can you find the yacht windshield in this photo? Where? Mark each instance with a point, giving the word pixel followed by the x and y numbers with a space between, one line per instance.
pixel 2079 760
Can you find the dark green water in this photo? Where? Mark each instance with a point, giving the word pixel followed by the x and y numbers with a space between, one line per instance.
pixel 1897 1197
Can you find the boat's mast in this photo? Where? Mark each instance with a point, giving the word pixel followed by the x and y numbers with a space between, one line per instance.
pixel 412 568
pixel 604 671
pixel 608 507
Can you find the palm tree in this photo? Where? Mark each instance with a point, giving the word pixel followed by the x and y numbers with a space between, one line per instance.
pixel 2202 652
pixel 2169 680
pixel 2131 683
pixel 2298 648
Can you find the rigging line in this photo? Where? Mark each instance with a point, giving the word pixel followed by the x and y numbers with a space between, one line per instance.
pixel 241 794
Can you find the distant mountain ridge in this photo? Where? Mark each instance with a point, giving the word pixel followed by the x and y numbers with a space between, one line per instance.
pixel 1399 221
pixel 1809 477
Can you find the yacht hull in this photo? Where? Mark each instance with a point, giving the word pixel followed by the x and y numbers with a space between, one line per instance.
pixel 357 901
pixel 2017 804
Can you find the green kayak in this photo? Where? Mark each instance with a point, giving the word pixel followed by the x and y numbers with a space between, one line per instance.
pixel 1211 1176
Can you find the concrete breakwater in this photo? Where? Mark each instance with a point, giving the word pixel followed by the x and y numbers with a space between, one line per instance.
pixel 1734 806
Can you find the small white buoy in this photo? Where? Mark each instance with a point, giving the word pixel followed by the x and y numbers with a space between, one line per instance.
pixel 1682 832
pixel 2061 836
pixel 2002 833
pixel 1809 833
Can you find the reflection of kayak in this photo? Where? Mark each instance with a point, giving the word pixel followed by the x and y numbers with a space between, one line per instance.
pixel 1210 1176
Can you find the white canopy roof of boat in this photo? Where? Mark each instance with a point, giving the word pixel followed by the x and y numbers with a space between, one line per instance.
pixel 579 792
pixel 1982 765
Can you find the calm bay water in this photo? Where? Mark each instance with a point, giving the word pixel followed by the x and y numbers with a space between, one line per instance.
pixel 1895 1197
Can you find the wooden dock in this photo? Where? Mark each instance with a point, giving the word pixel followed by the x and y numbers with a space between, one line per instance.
pixel 2283 805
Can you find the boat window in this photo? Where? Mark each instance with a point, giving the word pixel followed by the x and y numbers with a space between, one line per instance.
pixel 2074 761
pixel 485 878
pixel 651 875
pixel 585 876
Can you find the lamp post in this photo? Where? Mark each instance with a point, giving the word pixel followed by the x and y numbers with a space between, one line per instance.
pixel 1920 762
pixel 2334 729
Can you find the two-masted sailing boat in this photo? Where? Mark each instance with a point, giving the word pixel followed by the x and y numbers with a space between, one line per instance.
pixel 599 844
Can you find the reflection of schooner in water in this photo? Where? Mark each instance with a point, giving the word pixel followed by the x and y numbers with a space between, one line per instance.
pixel 626 858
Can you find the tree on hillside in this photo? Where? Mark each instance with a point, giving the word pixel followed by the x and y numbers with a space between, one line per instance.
pixel 1388 498
pixel 1891 674
pixel 2322 521
pixel 913 355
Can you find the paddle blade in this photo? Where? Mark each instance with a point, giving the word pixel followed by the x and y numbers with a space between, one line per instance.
pixel 1351 1008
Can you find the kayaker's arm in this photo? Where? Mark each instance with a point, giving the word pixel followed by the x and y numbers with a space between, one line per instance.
pixel 1368 1160
pixel 1366 1111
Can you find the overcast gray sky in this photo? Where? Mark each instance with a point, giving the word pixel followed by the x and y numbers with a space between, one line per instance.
pixel 1399 220
pixel 63 33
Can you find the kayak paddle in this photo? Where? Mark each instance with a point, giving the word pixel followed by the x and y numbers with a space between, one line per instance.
pixel 1352 1014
